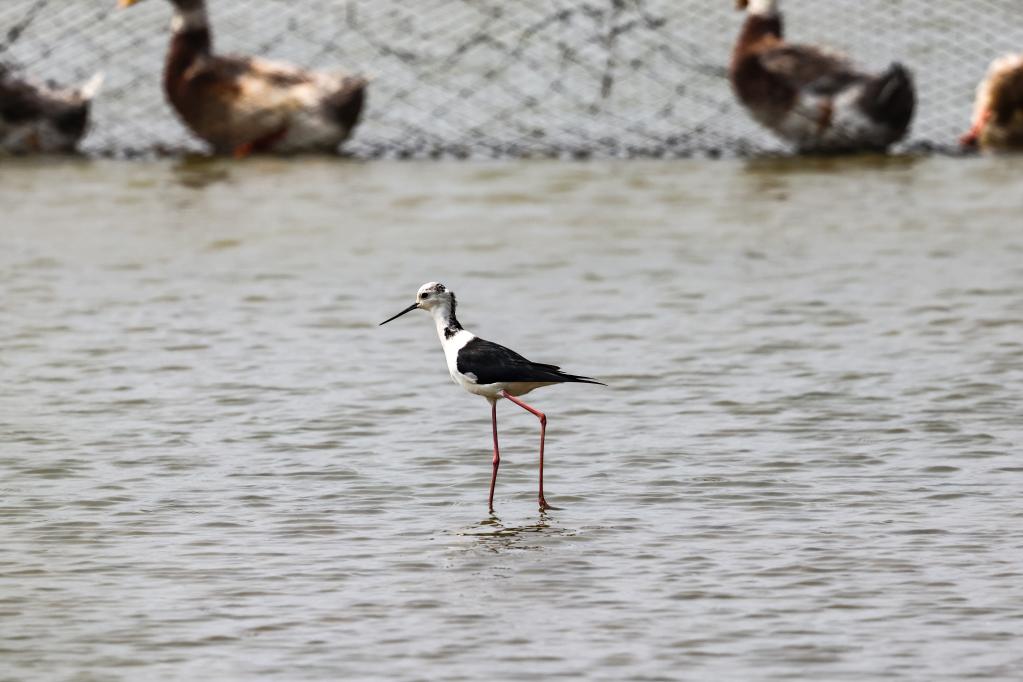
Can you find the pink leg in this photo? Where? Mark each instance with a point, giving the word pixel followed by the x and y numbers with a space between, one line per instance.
pixel 497 455
pixel 543 430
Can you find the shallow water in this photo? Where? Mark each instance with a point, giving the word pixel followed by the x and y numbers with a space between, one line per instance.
pixel 214 465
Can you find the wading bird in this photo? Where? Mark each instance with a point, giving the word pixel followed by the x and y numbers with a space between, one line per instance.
pixel 487 369
pixel 814 99
pixel 242 105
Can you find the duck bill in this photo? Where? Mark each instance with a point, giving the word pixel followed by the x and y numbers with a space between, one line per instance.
pixel 406 310
pixel 126 3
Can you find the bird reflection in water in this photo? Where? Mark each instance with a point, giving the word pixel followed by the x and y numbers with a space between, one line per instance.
pixel 491 534
pixel 196 171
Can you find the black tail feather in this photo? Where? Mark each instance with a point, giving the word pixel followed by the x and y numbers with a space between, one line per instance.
pixel 557 375
pixel 573 379
pixel 891 98
pixel 554 373
pixel 346 104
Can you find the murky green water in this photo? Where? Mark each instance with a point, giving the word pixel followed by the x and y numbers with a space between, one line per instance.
pixel 214 465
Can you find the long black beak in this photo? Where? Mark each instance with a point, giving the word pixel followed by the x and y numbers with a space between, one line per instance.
pixel 406 310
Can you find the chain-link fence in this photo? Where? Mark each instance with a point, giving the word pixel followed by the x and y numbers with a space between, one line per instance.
pixel 513 77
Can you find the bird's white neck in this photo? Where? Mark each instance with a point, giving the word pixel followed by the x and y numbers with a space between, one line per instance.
pixel 445 320
pixel 189 19
pixel 762 8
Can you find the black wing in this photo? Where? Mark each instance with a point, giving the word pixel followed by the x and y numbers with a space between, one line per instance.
pixel 492 363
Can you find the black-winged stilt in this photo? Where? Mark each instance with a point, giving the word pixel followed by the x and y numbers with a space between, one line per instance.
pixel 488 369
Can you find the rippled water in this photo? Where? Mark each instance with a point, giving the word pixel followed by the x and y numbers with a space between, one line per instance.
pixel 807 465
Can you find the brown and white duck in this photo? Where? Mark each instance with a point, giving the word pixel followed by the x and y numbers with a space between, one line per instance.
pixel 998 109
pixel 241 105
pixel 814 99
pixel 38 118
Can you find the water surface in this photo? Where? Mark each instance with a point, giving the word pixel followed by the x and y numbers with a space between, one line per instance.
pixel 214 465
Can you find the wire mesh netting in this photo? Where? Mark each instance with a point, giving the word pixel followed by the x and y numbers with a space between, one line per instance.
pixel 523 78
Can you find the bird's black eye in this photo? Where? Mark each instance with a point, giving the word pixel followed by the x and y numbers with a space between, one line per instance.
pixel 426 296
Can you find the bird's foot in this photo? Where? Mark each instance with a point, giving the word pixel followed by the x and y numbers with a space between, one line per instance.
pixel 545 507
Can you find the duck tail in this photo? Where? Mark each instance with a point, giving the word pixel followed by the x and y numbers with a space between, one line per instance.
pixel 346 104
pixel 891 98
pixel 89 88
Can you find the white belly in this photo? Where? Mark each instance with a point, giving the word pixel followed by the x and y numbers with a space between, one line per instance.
pixel 492 392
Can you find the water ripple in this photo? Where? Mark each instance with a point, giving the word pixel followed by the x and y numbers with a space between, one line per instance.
pixel 214 465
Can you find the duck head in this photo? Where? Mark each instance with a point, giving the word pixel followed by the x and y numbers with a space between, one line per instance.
pixel 758 7
pixel 183 5
pixel 188 14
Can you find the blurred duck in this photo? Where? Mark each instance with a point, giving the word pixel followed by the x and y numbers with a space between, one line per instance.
pixel 813 99
pixel 37 118
pixel 998 110
pixel 242 105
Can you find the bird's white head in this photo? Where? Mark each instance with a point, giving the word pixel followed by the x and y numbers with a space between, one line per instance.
pixel 434 298
pixel 763 8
